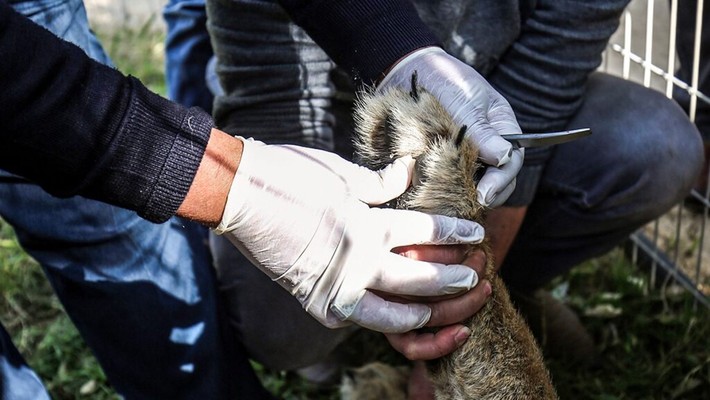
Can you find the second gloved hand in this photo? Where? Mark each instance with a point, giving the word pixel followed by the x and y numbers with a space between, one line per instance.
pixel 473 102
pixel 303 217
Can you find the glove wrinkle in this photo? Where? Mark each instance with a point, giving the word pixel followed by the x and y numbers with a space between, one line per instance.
pixel 308 227
pixel 471 101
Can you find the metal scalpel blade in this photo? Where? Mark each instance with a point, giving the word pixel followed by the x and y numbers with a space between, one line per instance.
pixel 546 139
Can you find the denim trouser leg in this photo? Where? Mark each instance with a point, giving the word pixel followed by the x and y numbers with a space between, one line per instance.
pixel 142 295
pixel 187 52
pixel 17 380
pixel 642 158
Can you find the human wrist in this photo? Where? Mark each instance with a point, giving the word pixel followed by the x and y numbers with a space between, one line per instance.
pixel 207 196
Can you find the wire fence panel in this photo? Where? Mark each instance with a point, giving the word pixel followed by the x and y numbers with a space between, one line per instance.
pixel 675 247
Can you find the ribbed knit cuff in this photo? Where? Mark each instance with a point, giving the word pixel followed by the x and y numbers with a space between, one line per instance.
pixel 156 156
pixel 364 37
pixel 180 167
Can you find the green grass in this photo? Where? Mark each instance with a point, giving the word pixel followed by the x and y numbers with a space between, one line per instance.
pixel 657 348
pixel 40 329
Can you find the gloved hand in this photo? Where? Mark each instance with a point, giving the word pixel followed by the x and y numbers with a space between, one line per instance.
pixel 471 101
pixel 302 216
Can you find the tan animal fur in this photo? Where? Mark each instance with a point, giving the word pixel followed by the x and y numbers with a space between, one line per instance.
pixel 501 359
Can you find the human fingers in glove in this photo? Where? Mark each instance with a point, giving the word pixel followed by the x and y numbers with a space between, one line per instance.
pixel 473 102
pixel 447 313
pixel 304 217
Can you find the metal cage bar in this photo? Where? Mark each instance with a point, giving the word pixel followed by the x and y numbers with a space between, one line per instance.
pixel 668 256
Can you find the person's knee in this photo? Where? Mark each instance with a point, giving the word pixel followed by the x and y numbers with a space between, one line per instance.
pixel 666 156
pixel 647 150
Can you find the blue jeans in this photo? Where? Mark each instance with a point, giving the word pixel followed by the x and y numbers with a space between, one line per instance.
pixel 141 294
pixel 187 52
pixel 587 195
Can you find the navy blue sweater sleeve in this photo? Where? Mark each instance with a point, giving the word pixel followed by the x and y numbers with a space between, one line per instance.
pixel 364 37
pixel 544 74
pixel 76 127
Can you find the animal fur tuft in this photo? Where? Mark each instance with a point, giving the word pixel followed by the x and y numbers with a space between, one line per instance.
pixel 501 359
pixel 395 124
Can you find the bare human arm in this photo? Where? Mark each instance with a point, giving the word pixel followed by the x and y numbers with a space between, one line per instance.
pixel 207 196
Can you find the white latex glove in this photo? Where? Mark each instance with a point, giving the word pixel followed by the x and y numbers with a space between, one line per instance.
pixel 471 101
pixel 301 215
